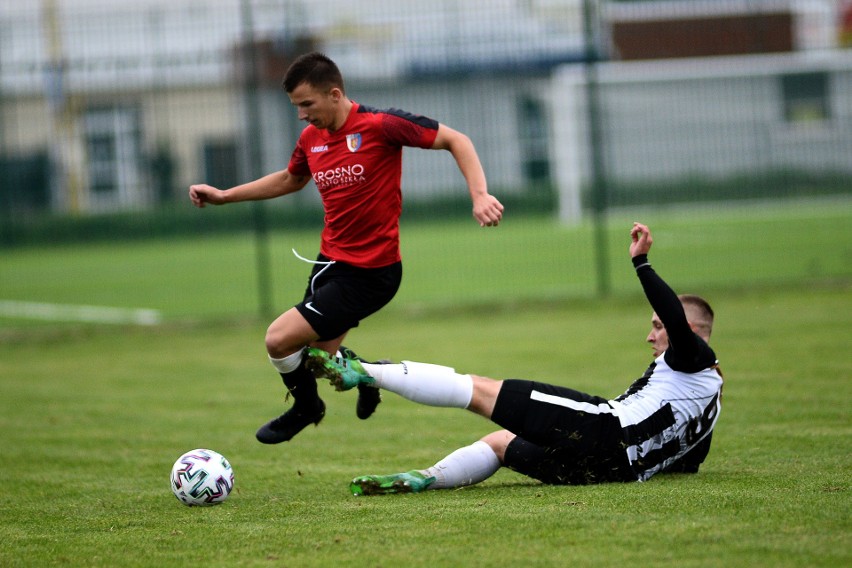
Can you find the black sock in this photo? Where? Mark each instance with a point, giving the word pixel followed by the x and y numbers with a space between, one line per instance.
pixel 302 386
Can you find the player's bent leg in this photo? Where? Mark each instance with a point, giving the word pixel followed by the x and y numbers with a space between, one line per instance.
pixel 498 442
pixel 285 340
pixel 468 465
pixel 289 333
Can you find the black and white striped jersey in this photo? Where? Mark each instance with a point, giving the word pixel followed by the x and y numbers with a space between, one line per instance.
pixel 667 415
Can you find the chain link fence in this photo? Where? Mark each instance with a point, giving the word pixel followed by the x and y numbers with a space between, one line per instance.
pixel 578 108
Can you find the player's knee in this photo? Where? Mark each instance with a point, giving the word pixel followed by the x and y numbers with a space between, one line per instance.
pixel 283 340
pixel 499 441
pixel 276 344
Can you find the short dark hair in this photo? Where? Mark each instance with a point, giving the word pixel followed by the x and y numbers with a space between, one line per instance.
pixel 316 70
pixel 700 310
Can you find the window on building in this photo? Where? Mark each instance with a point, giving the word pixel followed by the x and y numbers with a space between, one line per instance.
pixel 806 97
pixel 221 163
pixel 113 156
pixel 533 139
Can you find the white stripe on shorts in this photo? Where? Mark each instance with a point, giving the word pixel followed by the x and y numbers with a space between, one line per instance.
pixel 602 408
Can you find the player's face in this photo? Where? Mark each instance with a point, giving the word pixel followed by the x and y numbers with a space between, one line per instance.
pixel 318 107
pixel 658 338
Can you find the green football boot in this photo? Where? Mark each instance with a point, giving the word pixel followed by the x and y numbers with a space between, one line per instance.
pixel 409 482
pixel 344 373
pixel 369 396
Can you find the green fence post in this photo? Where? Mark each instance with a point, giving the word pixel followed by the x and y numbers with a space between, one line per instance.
pixel 254 138
pixel 596 149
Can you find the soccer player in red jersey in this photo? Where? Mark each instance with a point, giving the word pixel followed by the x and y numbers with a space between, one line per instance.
pixel 353 153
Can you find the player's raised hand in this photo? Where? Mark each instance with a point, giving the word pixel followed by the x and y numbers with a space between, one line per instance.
pixel 488 211
pixel 640 239
pixel 201 194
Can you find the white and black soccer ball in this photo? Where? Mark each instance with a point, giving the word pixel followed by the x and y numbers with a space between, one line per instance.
pixel 202 477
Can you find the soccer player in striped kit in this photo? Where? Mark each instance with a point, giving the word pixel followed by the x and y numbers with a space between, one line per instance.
pixel 353 153
pixel 662 423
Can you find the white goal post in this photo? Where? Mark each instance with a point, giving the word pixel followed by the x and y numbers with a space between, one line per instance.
pixel 665 120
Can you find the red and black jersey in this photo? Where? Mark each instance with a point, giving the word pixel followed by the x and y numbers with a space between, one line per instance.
pixel 357 170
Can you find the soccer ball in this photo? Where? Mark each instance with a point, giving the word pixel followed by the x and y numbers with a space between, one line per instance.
pixel 202 477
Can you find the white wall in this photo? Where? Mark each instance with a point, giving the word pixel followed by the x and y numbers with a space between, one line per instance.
pixel 665 120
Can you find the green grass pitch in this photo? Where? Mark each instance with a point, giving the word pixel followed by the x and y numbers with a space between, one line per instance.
pixel 93 416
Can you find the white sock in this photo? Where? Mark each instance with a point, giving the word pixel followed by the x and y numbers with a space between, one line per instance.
pixel 287 364
pixel 433 385
pixel 465 466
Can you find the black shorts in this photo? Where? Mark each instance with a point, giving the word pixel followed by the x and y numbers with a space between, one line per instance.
pixel 340 295
pixel 563 436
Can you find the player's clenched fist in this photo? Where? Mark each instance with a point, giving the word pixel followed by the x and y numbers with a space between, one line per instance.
pixel 202 194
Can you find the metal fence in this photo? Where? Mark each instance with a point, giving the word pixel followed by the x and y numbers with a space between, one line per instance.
pixel 109 110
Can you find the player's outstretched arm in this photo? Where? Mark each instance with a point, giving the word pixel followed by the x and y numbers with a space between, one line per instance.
pixel 487 209
pixel 269 186
pixel 660 295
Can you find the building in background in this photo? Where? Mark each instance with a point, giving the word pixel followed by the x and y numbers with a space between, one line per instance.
pixel 128 103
